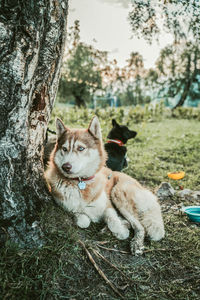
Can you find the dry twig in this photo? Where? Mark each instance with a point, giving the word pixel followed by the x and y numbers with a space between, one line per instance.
pixel 161 249
pixel 112 249
pixel 106 260
pixel 101 273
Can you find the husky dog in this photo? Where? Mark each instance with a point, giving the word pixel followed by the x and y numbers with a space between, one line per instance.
pixel 115 146
pixel 81 184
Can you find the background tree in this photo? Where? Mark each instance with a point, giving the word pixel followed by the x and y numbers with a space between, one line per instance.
pixel 136 71
pixel 152 84
pixel 181 18
pixel 179 67
pixel 132 81
pixel 81 73
pixel 126 82
pixel 32 35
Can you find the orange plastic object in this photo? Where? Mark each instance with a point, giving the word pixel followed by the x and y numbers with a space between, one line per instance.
pixel 176 175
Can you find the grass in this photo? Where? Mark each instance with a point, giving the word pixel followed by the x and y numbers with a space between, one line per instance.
pixel 167 146
pixel 169 269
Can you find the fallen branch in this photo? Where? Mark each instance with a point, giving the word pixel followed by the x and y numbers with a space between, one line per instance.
pixel 102 242
pixel 108 262
pixel 100 271
pixel 112 249
pixel 161 249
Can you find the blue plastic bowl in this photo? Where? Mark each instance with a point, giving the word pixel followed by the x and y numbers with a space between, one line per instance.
pixel 193 213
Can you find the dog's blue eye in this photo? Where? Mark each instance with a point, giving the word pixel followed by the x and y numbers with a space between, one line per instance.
pixel 64 149
pixel 80 148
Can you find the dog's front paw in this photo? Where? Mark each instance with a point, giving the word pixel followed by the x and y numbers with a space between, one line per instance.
pixel 122 234
pixel 82 221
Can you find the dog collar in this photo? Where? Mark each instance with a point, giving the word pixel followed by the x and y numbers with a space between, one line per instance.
pixel 82 183
pixel 118 142
pixel 82 179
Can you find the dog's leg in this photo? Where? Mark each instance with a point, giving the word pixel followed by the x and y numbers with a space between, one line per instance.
pixel 151 217
pixel 82 220
pixel 129 213
pixel 137 243
pixel 153 223
pixel 115 224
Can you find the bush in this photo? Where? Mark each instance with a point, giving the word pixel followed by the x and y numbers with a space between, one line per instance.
pixel 125 114
pixel 186 113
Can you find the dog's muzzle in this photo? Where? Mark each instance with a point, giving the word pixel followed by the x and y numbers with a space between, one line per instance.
pixel 67 167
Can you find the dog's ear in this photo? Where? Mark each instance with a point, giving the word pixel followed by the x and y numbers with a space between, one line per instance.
pixel 60 127
pixel 95 128
pixel 114 123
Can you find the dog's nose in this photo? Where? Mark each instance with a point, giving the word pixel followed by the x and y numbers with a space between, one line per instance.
pixel 66 167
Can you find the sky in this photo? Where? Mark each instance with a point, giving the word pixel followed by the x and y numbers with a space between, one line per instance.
pixel 104 24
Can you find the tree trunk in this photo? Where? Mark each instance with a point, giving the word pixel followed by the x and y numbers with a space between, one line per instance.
pixel 32 35
pixel 184 94
pixel 80 102
pixel 188 81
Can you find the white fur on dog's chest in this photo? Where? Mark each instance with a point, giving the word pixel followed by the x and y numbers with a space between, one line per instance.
pixel 72 198
pixel 74 202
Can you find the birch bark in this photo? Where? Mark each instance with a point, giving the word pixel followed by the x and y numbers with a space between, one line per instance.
pixel 32 37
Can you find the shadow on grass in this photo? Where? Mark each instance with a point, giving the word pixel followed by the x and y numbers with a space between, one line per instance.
pixel 169 269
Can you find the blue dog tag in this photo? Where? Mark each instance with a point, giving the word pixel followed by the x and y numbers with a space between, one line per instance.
pixel 82 185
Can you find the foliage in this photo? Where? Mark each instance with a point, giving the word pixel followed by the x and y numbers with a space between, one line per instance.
pixel 179 66
pixel 81 75
pixel 178 63
pixel 87 70
pixel 135 72
pixel 177 73
pixel 179 17
pixel 127 115
pixel 127 82
pixel 169 269
pixel 187 113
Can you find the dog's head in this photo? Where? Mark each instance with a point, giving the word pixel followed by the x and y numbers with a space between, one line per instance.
pixel 121 132
pixel 78 152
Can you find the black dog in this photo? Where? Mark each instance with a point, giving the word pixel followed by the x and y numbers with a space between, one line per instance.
pixel 115 146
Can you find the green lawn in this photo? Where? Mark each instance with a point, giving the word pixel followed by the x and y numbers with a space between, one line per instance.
pixel 169 269
pixel 167 146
